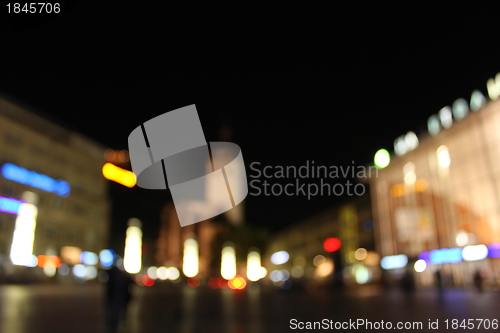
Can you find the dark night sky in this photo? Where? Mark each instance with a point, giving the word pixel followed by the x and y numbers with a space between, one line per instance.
pixel 334 91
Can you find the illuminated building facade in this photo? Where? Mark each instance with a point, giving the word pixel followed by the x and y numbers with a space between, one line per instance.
pixel 444 193
pixel 171 243
pixel 191 248
pixel 63 169
pixel 313 259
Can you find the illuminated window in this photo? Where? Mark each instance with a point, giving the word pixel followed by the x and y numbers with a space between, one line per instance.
pixel 3 222
pixel 13 139
pixel 90 238
pixel 80 168
pixel 97 213
pixel 60 160
pixel 8 189
pixel 39 150
pixel 72 236
pixel 58 203
pixel 51 232
pixel 78 209
pixel 443 156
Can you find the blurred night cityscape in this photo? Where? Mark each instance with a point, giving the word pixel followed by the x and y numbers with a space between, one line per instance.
pixel 373 187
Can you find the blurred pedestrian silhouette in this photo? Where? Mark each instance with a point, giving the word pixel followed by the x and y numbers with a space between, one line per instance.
pixel 439 280
pixel 478 280
pixel 338 280
pixel 118 296
pixel 408 281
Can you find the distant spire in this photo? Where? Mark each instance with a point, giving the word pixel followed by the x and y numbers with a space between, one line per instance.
pixel 225 132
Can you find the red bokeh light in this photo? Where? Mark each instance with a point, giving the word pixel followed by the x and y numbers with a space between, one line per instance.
pixel 147 281
pixel 51 261
pixel 332 244
pixel 223 284
pixel 214 283
pixel 193 282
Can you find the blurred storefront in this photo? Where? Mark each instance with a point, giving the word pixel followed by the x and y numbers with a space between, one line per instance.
pixel 334 247
pixel 174 241
pixel 56 173
pixel 438 202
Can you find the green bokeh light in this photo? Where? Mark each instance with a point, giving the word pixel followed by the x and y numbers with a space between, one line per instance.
pixel 382 158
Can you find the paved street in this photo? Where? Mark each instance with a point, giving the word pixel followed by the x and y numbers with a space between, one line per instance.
pixel 161 308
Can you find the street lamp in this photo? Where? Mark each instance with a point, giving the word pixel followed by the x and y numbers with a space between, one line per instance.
pixel 132 259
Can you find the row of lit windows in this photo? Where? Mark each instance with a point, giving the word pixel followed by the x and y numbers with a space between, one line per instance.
pixel 48 232
pixel 93 188
pixel 17 141
pixel 53 232
pixel 10 189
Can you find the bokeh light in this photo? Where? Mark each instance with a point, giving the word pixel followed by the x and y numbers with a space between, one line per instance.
pixel 332 244
pixel 279 258
pixel 193 282
pixel 382 158
pixel 237 283
pixel 319 260
pixel 360 254
pixel 420 266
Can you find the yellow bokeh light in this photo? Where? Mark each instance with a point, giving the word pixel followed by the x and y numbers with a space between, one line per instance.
pixel 360 254
pixel 119 175
pixel 319 260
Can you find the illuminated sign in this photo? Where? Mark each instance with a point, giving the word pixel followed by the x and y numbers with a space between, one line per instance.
pixel 474 252
pixel 89 258
pixel 10 205
pixel 393 262
pixel 425 256
pixel 119 175
pixel 31 178
pixel 494 250
pixel 107 257
pixel 21 251
pixel 49 261
pixel 446 256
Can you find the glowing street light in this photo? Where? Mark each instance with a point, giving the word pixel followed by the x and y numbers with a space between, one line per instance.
pixel 190 265
pixel 132 259
pixel 228 262
pixel 477 100
pixel 420 266
pixel 445 116
pixel 21 251
pixel 382 158
pixel 119 175
pixel 254 272
pixel 493 86
pixel 443 156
